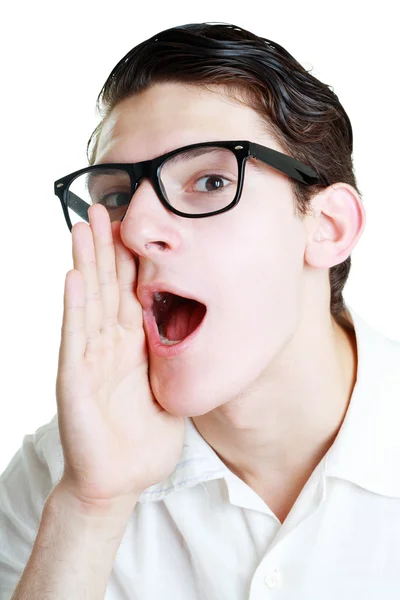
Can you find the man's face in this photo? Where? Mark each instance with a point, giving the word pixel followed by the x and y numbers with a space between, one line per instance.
pixel 246 264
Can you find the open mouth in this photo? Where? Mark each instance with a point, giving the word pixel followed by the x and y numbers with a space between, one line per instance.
pixel 176 317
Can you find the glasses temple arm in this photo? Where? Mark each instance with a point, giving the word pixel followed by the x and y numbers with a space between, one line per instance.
pixel 78 205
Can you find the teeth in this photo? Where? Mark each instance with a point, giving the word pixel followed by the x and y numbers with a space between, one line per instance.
pixel 165 340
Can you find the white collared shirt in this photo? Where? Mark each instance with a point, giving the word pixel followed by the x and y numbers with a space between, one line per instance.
pixel 204 534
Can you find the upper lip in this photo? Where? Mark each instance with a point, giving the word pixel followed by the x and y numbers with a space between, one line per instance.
pixel 145 292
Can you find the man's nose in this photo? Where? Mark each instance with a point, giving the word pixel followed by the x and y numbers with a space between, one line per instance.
pixel 144 200
pixel 147 223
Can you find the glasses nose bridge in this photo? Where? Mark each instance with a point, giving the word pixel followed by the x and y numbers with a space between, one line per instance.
pixel 140 171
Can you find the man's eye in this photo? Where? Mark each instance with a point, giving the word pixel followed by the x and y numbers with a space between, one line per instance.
pixel 114 199
pixel 211 183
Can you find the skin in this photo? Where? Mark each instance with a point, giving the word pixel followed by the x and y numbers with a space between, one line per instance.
pixel 268 381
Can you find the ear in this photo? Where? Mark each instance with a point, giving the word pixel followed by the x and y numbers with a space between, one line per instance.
pixel 335 227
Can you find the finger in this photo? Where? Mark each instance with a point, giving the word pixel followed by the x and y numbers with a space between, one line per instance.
pixel 73 331
pixel 105 260
pixel 85 262
pixel 130 310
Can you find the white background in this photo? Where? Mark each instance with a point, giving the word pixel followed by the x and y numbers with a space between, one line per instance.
pixel 55 58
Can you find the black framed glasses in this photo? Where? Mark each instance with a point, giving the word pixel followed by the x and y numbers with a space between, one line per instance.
pixel 194 181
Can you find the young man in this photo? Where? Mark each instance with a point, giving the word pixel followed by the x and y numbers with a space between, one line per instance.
pixel 225 423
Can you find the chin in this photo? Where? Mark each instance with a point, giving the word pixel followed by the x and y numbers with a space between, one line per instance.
pixel 183 405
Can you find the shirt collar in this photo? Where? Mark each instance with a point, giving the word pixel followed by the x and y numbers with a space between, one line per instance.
pixel 198 463
pixel 366 450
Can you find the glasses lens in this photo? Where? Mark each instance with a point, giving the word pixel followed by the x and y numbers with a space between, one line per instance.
pixel 201 180
pixel 110 187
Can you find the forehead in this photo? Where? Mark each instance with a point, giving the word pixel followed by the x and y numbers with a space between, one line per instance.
pixel 167 116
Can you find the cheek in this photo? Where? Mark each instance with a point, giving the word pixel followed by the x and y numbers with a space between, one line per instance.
pixel 263 275
pixel 266 255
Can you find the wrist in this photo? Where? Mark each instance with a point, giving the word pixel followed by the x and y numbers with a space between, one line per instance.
pixel 119 508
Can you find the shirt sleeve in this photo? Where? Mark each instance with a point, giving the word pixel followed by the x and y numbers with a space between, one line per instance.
pixel 24 487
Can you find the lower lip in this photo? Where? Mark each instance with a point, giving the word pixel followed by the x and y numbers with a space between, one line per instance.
pixel 156 345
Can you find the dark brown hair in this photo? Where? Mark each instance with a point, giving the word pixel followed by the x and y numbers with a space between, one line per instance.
pixel 304 114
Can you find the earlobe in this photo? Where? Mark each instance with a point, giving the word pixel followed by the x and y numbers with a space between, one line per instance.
pixel 336 225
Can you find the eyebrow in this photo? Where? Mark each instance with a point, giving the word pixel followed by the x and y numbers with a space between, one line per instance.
pixel 194 153
pixel 183 155
pixel 93 175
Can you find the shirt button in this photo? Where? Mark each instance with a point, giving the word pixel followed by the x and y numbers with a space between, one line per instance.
pixel 272 579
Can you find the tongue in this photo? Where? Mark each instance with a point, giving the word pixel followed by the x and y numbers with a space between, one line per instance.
pixel 183 320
